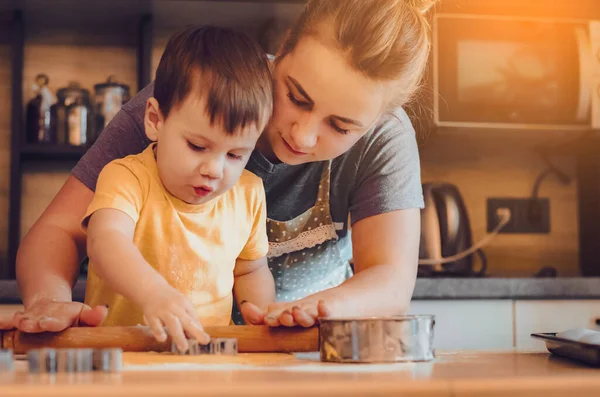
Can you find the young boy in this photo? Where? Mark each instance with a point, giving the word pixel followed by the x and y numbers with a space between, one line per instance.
pixel 170 229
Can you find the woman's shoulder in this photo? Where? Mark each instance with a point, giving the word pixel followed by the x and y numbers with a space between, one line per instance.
pixel 381 172
pixel 124 135
pixel 392 126
pixel 136 106
pixel 393 135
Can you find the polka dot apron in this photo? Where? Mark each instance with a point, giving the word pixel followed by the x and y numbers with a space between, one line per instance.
pixel 304 256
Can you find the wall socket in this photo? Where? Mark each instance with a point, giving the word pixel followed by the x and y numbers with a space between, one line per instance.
pixel 527 215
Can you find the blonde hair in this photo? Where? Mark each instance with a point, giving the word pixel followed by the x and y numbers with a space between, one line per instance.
pixel 386 40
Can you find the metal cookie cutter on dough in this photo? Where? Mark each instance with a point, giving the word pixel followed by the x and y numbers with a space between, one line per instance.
pixel 49 360
pixel 377 339
pixel 216 346
pixel 108 360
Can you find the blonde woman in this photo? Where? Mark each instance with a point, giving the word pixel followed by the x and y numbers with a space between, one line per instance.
pixel 338 146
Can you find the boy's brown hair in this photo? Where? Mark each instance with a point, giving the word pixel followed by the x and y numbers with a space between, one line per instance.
pixel 227 68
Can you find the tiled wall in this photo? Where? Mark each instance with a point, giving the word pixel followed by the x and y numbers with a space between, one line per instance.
pixel 481 166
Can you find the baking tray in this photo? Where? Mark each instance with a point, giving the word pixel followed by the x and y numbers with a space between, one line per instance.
pixel 588 353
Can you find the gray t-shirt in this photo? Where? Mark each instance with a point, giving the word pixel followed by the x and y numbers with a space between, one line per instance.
pixel 379 174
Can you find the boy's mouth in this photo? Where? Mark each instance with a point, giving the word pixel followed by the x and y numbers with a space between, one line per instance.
pixel 202 191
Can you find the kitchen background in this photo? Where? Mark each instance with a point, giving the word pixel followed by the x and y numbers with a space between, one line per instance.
pixel 87 41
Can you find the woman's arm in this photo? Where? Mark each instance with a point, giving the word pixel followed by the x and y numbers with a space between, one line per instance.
pixel 48 264
pixel 49 256
pixel 385 253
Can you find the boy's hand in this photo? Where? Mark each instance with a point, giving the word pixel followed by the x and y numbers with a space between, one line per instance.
pixel 168 307
pixel 252 314
pixel 48 315
pixel 288 314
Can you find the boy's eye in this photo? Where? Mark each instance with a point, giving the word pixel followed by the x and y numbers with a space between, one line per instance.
pixel 297 101
pixel 234 156
pixel 194 147
pixel 338 129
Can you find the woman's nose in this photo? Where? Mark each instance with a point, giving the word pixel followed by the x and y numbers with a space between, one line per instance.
pixel 305 134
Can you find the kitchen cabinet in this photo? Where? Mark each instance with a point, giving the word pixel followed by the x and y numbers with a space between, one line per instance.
pixel 469 324
pixel 552 316
pixel 504 324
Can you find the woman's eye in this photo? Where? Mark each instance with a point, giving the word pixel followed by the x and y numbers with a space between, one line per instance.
pixel 338 129
pixel 194 147
pixel 234 156
pixel 298 102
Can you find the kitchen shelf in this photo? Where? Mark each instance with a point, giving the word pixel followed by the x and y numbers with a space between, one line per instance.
pixel 58 152
pixel 138 32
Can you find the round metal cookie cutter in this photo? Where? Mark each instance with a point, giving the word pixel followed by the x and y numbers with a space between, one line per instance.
pixel 377 339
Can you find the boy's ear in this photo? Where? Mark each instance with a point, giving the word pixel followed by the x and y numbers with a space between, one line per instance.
pixel 153 119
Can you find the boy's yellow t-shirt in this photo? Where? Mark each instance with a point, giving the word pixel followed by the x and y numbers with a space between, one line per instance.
pixel 193 246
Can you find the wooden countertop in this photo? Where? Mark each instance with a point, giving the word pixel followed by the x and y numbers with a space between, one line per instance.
pixel 450 374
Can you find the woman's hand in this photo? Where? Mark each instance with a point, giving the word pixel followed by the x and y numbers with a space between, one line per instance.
pixel 304 313
pixel 48 315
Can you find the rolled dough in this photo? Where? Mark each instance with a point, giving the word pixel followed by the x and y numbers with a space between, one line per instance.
pixel 152 358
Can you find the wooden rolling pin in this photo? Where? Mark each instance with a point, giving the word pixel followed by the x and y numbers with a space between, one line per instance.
pixel 135 339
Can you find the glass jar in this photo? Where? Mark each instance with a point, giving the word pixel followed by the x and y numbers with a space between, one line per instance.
pixel 109 98
pixel 72 115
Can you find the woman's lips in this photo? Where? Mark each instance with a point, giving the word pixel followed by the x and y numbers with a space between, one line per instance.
pixel 291 149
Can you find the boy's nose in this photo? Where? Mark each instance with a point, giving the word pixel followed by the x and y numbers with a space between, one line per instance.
pixel 213 168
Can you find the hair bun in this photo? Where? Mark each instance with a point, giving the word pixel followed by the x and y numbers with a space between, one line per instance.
pixel 422 6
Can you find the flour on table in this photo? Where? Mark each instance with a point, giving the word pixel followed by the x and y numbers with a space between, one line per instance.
pixel 252 362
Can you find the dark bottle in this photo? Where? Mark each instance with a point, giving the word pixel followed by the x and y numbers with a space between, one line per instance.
pixel 37 113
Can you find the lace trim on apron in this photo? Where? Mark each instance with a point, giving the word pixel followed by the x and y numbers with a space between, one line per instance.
pixel 306 239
